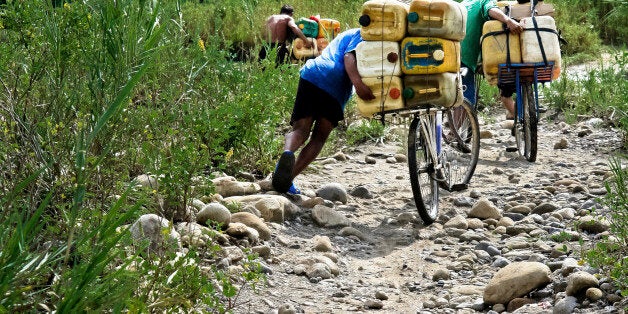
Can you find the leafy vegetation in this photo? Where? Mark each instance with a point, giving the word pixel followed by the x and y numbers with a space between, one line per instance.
pixel 611 254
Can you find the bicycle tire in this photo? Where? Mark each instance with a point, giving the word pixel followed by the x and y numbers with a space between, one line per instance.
pixel 461 148
pixel 526 128
pixel 421 166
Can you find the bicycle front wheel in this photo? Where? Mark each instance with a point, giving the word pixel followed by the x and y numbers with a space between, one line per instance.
pixel 461 148
pixel 421 166
pixel 526 128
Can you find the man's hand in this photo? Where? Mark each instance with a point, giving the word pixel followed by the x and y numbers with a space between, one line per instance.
pixel 307 43
pixel 514 26
pixel 363 91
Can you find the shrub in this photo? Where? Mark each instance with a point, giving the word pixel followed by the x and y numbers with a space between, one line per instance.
pixel 611 254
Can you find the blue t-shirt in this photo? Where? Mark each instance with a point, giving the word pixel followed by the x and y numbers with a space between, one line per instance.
pixel 327 71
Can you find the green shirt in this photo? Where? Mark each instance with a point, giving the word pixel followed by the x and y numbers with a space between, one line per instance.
pixel 477 14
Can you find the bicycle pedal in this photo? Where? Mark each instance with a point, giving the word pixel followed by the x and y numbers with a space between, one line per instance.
pixel 511 149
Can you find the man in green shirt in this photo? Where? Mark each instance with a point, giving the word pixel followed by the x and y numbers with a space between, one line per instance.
pixel 478 12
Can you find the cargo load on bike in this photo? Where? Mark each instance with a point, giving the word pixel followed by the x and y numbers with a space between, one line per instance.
pixel 523 61
pixel 410 59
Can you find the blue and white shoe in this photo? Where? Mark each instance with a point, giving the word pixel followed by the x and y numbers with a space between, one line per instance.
pixel 294 190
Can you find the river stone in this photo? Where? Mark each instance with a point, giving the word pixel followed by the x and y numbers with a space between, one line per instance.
pixel 516 280
pixel 334 192
pixel 565 305
pixel 579 281
pixel 229 186
pixel 271 209
pixel 328 217
pixel 594 294
pixel 457 222
pixel 253 222
pixel 193 234
pixel 214 212
pixel 147 181
pixel 592 225
pixel 484 209
pixel 151 227
pixel 321 244
pixel 350 231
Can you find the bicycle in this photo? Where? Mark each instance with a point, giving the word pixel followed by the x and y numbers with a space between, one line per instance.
pixel 443 150
pixel 525 77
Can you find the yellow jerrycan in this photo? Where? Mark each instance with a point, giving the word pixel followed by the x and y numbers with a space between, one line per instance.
pixel 495 49
pixel 531 47
pixel 384 20
pixel 300 52
pixel 429 55
pixel 440 90
pixel 437 18
pixel 387 91
pixel 328 28
pixel 378 58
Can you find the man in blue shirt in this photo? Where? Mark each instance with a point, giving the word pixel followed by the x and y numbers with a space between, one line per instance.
pixel 324 88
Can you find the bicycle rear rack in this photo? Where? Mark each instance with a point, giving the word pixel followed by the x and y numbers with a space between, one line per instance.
pixel 525 72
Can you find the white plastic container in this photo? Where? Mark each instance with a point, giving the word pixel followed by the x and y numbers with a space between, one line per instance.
pixel 531 48
pixel 441 90
pixel 378 58
pixel 437 18
pixel 387 91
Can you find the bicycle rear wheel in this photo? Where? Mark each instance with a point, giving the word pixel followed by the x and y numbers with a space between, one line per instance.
pixel 421 166
pixel 461 145
pixel 526 126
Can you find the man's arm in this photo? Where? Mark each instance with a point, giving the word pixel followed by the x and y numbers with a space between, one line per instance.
pixel 351 67
pixel 514 26
pixel 299 33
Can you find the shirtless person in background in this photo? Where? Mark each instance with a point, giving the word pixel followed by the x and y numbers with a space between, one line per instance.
pixel 276 35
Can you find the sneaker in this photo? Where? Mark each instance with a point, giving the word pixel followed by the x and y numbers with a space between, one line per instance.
pixel 294 190
pixel 282 177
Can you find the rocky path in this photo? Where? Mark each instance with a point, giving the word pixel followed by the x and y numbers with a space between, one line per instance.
pixel 354 242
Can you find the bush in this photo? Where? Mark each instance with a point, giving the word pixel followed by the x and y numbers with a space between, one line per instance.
pixel 611 254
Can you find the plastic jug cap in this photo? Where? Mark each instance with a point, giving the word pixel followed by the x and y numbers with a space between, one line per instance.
pixel 408 93
pixel 438 55
pixel 364 20
pixel 392 57
pixel 394 93
pixel 413 17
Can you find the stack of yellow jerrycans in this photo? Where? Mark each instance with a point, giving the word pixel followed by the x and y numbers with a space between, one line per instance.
pixel 320 30
pixel 384 25
pixel 426 34
pixel 539 42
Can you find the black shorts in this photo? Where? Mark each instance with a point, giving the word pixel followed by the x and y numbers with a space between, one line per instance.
pixel 506 90
pixel 311 101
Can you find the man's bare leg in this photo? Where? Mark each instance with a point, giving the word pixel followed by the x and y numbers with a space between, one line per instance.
pixel 322 129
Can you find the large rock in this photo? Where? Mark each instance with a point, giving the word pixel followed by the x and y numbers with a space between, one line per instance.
pixel 157 231
pixel 271 209
pixel 334 192
pixel 580 281
pixel 516 280
pixel 253 222
pixel 328 217
pixel 484 209
pixel 593 225
pixel 215 213
pixel 229 186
